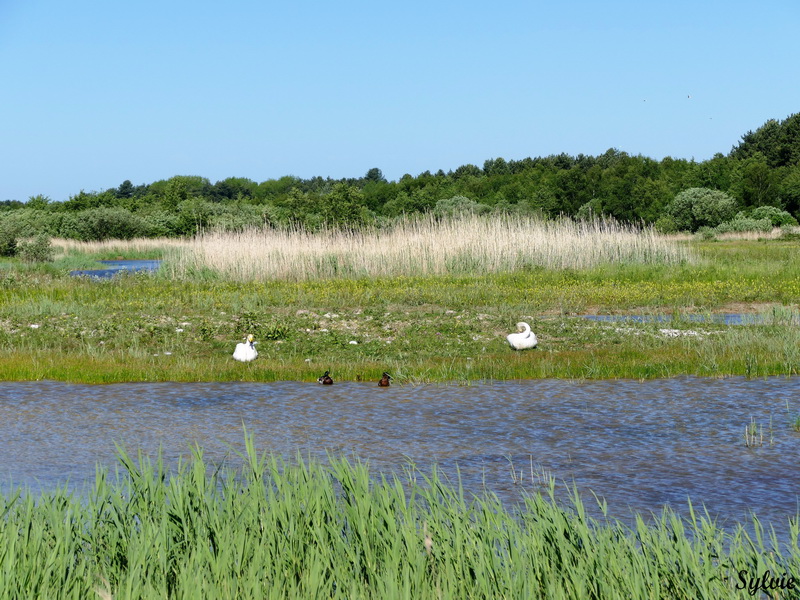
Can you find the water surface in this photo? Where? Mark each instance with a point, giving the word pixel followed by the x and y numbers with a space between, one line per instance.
pixel 115 267
pixel 640 445
pixel 716 318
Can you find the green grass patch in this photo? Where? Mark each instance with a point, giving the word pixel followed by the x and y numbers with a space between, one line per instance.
pixel 303 529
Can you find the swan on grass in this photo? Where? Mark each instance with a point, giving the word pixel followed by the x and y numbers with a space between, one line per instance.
pixel 246 350
pixel 523 339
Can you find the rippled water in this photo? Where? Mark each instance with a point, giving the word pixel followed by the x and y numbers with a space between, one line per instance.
pixel 638 444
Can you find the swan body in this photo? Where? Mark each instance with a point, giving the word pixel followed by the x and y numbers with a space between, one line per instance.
pixel 384 382
pixel 326 379
pixel 523 339
pixel 246 350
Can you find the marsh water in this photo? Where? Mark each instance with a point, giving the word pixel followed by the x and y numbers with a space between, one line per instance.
pixel 639 445
pixel 114 267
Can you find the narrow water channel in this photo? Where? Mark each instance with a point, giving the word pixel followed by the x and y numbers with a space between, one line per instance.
pixel 639 445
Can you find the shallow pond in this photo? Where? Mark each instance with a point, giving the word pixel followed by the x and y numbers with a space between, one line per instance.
pixel 639 445
pixel 715 318
pixel 113 267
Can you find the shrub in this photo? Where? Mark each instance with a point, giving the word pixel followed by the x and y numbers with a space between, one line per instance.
pixel 238 218
pixel 705 234
pixel 741 224
pixel 777 216
pixel 97 224
pixel 698 207
pixel 8 239
pixel 589 211
pixel 457 206
pixel 666 224
pixel 159 223
pixel 28 222
pixel 38 249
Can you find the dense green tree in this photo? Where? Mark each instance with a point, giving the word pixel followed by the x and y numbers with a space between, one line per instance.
pixel 762 171
pixel 378 193
pixel 343 207
pixel 374 175
pixel 789 190
pixel 297 208
pixel 777 141
pixel 233 188
pixel 125 189
pixel 755 183
pixel 38 202
pixel 496 166
pixel 466 171
pixel 11 204
pixel 82 201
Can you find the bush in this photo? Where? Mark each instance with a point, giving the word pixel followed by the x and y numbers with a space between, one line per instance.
pixel 590 211
pixel 8 239
pixel 238 218
pixel 28 222
pixel 742 224
pixel 706 234
pixel 666 224
pixel 700 207
pixel 97 224
pixel 159 223
pixel 457 206
pixel 777 216
pixel 38 249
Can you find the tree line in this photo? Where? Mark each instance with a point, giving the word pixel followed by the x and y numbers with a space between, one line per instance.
pixel 758 179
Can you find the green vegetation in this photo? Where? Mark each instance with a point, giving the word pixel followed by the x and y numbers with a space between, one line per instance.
pixel 419 328
pixel 307 530
pixel 762 171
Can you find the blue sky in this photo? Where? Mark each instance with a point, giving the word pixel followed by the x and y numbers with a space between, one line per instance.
pixel 97 92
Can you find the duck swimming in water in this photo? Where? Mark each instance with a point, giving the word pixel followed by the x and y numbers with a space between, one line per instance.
pixel 246 351
pixel 524 339
pixel 384 382
pixel 326 379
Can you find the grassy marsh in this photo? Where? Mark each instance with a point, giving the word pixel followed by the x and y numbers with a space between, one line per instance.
pixel 424 327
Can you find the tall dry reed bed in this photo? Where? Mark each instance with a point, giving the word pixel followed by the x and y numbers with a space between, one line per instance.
pixel 426 246
pixel 307 530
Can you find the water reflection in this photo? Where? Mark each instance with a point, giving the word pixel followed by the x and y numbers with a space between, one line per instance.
pixel 638 444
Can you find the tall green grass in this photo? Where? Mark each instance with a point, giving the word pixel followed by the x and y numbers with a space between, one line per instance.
pixel 304 529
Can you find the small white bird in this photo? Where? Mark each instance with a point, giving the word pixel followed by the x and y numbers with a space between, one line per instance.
pixel 246 351
pixel 524 339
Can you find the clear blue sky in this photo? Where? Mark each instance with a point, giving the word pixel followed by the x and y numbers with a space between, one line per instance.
pixel 96 92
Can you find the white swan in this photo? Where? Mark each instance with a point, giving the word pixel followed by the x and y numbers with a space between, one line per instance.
pixel 246 350
pixel 524 339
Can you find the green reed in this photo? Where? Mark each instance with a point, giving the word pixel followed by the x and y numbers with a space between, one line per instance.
pixel 304 529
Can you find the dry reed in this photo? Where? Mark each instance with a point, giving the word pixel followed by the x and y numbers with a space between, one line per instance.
pixel 425 246
pixel 121 246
